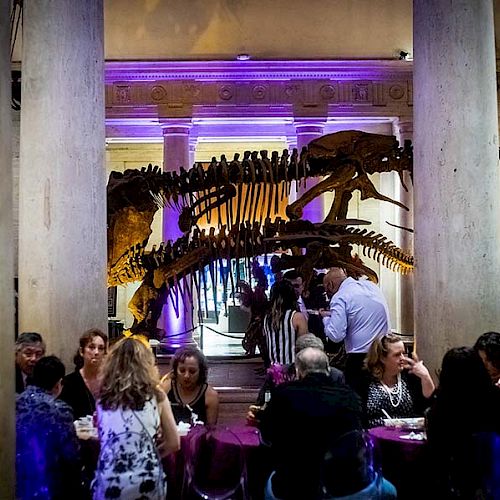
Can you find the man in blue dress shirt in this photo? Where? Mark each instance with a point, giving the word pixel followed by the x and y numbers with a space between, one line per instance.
pixel 358 315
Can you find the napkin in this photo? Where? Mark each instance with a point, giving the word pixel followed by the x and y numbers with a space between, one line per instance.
pixel 414 436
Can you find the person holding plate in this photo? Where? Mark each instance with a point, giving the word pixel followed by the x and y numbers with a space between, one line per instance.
pixel 400 386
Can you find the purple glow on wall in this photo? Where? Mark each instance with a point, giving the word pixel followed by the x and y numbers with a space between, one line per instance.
pixel 177 328
pixel 120 71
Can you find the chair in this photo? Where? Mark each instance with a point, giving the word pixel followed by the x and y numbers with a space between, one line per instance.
pixel 215 466
pixel 349 470
pixel 122 457
pixel 474 467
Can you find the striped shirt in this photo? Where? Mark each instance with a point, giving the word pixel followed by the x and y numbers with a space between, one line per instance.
pixel 281 343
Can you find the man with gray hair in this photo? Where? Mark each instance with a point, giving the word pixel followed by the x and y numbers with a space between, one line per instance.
pixel 287 373
pixel 30 347
pixel 311 360
pixel 301 421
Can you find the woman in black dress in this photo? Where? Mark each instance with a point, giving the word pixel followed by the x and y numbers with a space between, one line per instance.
pixel 187 389
pixel 81 387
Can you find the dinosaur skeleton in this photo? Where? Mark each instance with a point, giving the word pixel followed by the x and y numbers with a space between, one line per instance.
pixel 250 191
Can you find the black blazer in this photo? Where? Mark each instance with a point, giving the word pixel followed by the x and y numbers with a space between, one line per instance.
pixel 19 380
pixel 302 420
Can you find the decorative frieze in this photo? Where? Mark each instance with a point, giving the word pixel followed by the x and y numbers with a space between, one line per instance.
pixel 308 92
pixel 281 90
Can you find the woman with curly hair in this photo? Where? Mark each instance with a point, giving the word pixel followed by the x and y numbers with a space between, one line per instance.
pixel 135 424
pixel 82 386
pixel 283 324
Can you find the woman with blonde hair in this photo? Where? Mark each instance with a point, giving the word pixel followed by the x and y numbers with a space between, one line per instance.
pixel 400 386
pixel 135 424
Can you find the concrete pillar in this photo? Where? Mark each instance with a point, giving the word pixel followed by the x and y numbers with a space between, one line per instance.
pixel 7 391
pixel 457 199
pixel 307 130
pixel 62 207
pixel 176 154
pixel 403 129
pixel 387 212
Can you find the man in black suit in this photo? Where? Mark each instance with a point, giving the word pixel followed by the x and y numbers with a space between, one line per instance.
pixel 289 372
pixel 29 349
pixel 302 419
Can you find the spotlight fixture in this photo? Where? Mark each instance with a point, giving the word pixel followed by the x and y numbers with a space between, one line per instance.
pixel 243 57
pixel 403 55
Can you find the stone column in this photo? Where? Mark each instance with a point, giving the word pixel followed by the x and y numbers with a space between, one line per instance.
pixel 403 129
pixel 62 206
pixel 307 130
pixel 176 154
pixel 457 239
pixel 7 391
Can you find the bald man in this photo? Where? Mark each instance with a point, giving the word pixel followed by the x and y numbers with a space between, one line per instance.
pixel 358 315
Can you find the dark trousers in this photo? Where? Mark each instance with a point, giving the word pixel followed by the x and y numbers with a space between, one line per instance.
pixel 356 375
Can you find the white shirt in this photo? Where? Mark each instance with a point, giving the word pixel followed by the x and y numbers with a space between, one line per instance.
pixel 302 307
pixel 358 315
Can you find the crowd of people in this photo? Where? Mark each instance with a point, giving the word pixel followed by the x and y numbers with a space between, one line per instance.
pixel 136 413
pixel 383 381
pixel 313 416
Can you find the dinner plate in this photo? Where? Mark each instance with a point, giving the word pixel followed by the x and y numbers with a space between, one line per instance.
pixel 405 423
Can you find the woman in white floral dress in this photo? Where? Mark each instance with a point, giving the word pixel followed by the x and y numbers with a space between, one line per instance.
pixel 135 423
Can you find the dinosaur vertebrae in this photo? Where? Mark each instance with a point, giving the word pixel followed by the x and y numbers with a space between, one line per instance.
pixel 324 156
pixel 170 261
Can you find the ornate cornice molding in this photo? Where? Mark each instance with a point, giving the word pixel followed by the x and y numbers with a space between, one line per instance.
pixel 279 91
pixel 133 71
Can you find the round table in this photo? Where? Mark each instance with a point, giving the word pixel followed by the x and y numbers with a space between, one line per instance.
pixel 257 460
pixel 403 461
pixel 247 435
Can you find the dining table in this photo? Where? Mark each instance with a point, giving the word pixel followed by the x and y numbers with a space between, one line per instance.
pixel 257 458
pixel 402 455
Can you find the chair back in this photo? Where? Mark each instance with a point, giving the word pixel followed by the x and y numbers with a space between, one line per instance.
pixel 33 479
pixel 123 455
pixel 474 467
pixel 215 463
pixel 349 465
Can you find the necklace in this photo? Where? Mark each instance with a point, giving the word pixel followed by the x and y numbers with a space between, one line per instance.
pixel 395 392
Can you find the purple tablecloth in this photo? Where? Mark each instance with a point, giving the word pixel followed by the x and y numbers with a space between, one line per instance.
pixel 248 436
pixel 257 460
pixel 403 461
